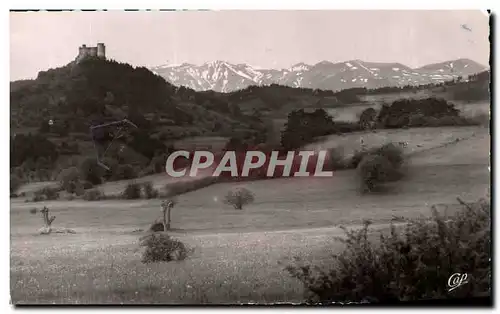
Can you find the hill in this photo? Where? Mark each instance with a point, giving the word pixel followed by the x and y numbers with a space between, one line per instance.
pixel 61 105
pixel 52 115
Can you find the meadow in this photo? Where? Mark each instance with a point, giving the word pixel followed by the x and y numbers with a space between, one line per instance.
pixel 352 112
pixel 238 256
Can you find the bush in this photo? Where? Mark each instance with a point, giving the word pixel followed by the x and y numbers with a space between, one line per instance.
pixel 15 183
pixel 239 197
pixel 149 191
pixel 336 160
pixel 46 194
pixel 70 180
pixel 410 264
pixel 356 158
pixel 392 152
pixel 376 169
pixel 124 172
pixel 132 191
pixel 401 112
pixel 91 171
pixel 93 195
pixel 160 247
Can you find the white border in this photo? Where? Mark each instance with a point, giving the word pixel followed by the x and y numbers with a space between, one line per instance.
pixel 186 4
pixel 256 4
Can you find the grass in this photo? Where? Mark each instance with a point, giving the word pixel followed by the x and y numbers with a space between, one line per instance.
pixel 223 269
pixel 236 252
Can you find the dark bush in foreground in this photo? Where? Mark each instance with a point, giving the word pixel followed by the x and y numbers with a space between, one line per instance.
pixel 132 191
pixel 239 197
pixel 93 195
pixel 160 247
pixel 411 264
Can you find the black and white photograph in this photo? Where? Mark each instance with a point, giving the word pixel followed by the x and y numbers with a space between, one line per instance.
pixel 256 157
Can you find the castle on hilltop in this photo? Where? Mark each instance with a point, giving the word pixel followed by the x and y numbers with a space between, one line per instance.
pixel 84 52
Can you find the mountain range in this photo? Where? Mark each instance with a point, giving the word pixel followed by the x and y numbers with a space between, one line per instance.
pixel 226 77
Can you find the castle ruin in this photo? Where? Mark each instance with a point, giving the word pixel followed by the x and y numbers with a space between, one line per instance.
pixel 84 52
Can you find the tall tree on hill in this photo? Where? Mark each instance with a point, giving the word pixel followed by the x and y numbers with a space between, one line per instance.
pixel 367 118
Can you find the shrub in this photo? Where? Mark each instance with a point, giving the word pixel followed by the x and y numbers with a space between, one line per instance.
pixel 91 171
pixel 132 191
pixel 46 194
pixel 149 191
pixel 15 183
pixel 239 197
pixel 392 152
pixel 412 263
pixel 157 225
pixel 160 247
pixel 87 185
pixel 401 112
pixel 93 195
pixel 336 160
pixel 356 158
pixel 124 172
pixel 70 180
pixel 367 118
pixel 374 170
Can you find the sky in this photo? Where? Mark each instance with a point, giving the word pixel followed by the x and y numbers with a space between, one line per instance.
pixel 264 39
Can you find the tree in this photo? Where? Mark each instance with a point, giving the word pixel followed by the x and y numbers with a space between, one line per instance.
pixel 398 114
pixel 302 127
pixel 239 197
pixel 70 180
pixel 91 171
pixel 367 118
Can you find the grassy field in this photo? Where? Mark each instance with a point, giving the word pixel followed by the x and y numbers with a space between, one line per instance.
pixel 236 253
pixel 352 112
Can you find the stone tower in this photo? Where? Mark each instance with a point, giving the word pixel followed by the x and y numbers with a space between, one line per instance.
pixel 84 52
pixel 101 50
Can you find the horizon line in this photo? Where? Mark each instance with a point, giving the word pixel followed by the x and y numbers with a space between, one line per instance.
pixel 256 67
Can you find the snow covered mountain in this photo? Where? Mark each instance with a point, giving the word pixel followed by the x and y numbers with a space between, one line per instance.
pixel 223 76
